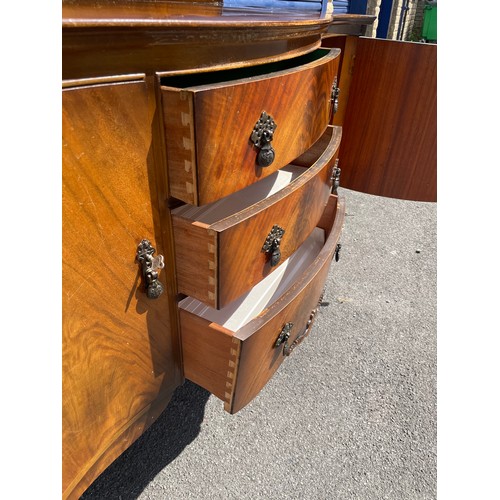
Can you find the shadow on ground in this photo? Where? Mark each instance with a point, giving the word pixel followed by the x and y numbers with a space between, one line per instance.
pixel 176 427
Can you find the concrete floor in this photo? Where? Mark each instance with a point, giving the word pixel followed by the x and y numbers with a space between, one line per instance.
pixel 350 415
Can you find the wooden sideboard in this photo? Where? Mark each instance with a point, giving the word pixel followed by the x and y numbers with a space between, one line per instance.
pixel 200 215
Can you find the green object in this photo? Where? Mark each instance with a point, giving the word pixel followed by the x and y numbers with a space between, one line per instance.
pixel 429 29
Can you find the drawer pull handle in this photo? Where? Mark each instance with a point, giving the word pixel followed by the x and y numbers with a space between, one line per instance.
pixel 261 137
pixel 285 331
pixel 335 177
pixel 288 349
pixel 150 265
pixel 272 244
pixel 335 96
pixel 337 252
pixel 284 334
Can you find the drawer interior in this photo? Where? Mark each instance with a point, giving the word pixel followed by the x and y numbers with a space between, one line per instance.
pixel 236 202
pixel 232 352
pixel 259 191
pixel 237 314
pixel 199 79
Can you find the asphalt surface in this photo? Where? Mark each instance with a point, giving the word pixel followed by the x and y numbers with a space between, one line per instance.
pixel 350 415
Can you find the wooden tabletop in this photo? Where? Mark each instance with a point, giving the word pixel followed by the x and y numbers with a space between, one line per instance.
pixel 103 40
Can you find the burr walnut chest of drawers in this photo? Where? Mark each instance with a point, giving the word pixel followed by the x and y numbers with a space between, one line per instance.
pixel 200 211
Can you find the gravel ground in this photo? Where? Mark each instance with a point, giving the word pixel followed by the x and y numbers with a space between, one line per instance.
pixel 350 415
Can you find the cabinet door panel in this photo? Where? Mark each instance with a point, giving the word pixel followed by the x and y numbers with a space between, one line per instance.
pixel 389 132
pixel 118 356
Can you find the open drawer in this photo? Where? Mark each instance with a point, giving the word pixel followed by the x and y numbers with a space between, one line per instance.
pixel 225 130
pixel 224 248
pixel 234 351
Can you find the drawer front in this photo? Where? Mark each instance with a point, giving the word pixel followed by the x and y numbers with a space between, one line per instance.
pixel 235 366
pixel 219 262
pixel 209 127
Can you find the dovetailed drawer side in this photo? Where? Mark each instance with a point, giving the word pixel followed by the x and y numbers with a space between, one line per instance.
pixel 235 364
pixel 209 119
pixel 216 262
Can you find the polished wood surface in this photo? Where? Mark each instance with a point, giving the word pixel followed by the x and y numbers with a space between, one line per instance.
pixel 235 366
pixel 121 352
pixel 209 354
pixel 202 170
pixel 347 46
pixel 123 38
pixel 120 364
pixel 216 267
pixel 259 358
pixel 389 145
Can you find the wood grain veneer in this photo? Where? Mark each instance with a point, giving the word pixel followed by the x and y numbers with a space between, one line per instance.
pixel 389 145
pixel 235 366
pixel 155 37
pixel 217 263
pixel 119 365
pixel 201 169
pixel 121 358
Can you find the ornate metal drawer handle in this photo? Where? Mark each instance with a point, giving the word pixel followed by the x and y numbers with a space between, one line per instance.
pixel 284 335
pixel 335 96
pixel 288 349
pixel 150 265
pixel 272 244
pixel 261 137
pixel 335 177
pixel 285 331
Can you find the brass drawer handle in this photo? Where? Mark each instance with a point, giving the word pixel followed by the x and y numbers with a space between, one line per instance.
pixel 288 349
pixel 150 265
pixel 335 96
pixel 335 177
pixel 272 244
pixel 284 335
pixel 261 137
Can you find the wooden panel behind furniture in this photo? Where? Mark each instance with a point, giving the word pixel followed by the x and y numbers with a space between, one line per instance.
pixel 119 367
pixel 389 132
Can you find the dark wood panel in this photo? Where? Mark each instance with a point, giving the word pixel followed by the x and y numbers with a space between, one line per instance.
pixel 118 352
pixel 389 139
pixel 152 37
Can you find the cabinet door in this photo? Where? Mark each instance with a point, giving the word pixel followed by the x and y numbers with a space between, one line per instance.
pixel 389 127
pixel 119 363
